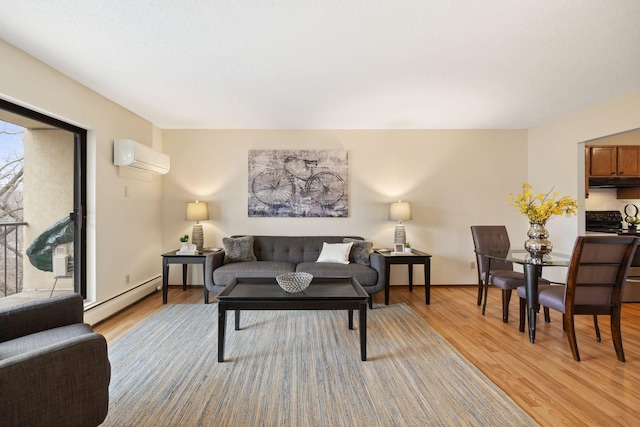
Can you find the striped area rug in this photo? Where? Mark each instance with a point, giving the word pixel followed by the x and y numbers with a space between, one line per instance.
pixel 298 368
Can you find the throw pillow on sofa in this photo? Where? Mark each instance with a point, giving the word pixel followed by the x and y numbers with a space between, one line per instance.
pixel 238 249
pixel 360 251
pixel 335 252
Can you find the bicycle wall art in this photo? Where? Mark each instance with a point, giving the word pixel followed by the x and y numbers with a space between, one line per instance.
pixel 298 183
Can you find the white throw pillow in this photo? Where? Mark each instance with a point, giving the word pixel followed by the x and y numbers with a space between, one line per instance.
pixel 335 252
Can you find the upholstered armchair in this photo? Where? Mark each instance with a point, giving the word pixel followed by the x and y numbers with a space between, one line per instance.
pixel 54 370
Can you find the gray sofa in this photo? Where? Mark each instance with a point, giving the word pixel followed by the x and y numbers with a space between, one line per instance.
pixel 281 254
pixel 54 370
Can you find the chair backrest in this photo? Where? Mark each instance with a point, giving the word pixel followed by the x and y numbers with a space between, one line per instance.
pixel 598 271
pixel 490 237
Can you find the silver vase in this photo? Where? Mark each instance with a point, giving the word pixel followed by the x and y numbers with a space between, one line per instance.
pixel 537 245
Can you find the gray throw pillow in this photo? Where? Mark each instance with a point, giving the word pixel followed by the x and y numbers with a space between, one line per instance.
pixel 360 250
pixel 238 249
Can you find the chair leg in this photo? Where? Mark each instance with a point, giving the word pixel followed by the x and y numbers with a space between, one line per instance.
pixel 523 313
pixel 480 289
pixel 571 335
pixel 595 325
pixel 616 334
pixel 547 317
pixel 506 297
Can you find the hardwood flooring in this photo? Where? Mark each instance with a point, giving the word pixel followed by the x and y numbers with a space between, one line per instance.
pixel 542 378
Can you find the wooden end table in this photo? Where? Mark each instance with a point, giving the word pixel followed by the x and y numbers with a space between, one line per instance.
pixel 409 259
pixel 174 257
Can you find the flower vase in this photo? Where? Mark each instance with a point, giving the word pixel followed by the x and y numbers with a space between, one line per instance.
pixel 537 244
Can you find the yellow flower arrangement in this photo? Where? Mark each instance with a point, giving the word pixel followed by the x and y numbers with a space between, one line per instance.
pixel 539 208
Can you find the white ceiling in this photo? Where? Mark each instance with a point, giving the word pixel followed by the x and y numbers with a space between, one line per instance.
pixel 338 64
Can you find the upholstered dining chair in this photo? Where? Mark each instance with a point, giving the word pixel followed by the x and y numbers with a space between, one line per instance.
pixel 501 274
pixel 595 281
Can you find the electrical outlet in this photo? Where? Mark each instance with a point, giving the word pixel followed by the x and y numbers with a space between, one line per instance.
pixel 472 265
pixel 126 279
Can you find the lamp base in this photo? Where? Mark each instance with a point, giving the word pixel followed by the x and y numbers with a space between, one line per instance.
pixel 400 236
pixel 198 237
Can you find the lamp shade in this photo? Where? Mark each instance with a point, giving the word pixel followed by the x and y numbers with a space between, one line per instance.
pixel 197 211
pixel 399 211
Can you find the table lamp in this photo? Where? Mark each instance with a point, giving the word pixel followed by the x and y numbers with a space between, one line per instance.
pixel 400 211
pixel 197 211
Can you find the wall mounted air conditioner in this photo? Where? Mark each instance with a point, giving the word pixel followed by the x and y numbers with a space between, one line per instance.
pixel 135 155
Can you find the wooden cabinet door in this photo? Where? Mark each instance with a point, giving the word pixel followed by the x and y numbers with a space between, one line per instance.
pixel 628 160
pixel 603 161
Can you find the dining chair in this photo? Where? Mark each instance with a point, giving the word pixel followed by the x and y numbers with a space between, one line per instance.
pixel 595 281
pixel 501 274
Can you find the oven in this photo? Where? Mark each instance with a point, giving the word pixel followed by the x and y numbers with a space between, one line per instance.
pixel 632 286
pixel 610 222
pixel 603 221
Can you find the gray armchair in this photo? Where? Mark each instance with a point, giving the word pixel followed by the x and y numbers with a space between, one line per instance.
pixel 54 370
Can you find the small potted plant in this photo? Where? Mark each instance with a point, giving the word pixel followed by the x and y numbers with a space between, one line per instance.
pixel 407 247
pixel 183 240
pixel 633 222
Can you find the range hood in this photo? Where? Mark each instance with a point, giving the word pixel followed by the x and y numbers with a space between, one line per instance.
pixel 614 182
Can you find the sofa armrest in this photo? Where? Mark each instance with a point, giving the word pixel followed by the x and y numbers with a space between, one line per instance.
pixel 36 316
pixel 213 262
pixel 65 384
pixel 378 264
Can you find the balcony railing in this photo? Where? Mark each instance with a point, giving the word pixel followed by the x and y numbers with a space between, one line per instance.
pixel 12 260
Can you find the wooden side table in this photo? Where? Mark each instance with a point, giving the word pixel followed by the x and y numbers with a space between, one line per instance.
pixel 409 259
pixel 174 258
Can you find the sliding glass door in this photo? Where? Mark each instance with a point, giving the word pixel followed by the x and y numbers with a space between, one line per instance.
pixel 47 209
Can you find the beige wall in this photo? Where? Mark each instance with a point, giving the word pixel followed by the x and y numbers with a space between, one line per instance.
pixel 124 233
pixel 452 179
pixel 556 155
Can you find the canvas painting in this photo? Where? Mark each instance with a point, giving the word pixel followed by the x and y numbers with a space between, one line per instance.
pixel 298 183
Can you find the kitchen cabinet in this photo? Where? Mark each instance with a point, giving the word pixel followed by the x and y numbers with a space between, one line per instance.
pixel 628 193
pixel 614 161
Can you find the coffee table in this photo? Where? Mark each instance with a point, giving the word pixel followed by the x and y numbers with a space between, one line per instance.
pixel 336 293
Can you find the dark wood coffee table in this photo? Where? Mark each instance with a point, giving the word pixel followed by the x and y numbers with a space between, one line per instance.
pixel 265 294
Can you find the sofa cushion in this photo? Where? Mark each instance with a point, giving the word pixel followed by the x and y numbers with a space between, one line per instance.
pixel 360 250
pixel 366 276
pixel 335 252
pixel 223 276
pixel 294 249
pixel 238 249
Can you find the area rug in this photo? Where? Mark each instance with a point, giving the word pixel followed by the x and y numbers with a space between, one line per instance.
pixel 298 368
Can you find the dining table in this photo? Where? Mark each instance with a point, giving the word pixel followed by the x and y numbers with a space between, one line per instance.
pixel 532 269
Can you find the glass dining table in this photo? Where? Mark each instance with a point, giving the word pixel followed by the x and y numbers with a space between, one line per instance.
pixel 532 271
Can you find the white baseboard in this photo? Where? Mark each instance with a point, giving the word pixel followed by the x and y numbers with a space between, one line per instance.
pixel 100 311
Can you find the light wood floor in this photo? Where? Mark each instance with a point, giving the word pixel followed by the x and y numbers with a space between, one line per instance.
pixel 542 378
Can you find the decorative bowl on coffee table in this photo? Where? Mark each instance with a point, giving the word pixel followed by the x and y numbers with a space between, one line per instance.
pixel 294 282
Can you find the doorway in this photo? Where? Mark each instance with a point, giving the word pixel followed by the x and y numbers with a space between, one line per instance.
pixel 49 245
